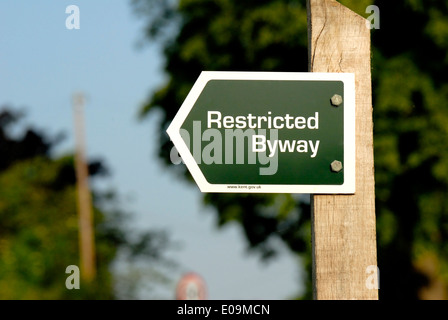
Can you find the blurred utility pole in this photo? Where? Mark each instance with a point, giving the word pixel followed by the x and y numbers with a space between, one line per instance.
pixel 86 234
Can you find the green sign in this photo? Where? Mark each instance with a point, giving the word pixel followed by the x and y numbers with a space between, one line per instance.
pixel 268 132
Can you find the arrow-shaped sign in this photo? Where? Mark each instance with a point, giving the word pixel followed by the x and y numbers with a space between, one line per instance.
pixel 269 132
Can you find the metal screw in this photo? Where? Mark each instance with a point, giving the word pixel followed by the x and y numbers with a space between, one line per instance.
pixel 336 166
pixel 336 100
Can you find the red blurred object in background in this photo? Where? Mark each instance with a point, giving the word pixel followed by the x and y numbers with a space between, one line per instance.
pixel 191 287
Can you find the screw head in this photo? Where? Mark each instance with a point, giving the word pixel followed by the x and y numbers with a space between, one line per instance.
pixel 336 166
pixel 336 100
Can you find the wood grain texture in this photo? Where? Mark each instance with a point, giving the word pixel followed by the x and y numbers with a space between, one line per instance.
pixel 343 226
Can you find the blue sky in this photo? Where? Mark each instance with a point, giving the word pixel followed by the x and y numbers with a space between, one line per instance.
pixel 42 64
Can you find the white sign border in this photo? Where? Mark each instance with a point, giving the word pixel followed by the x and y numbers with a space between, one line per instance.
pixel 348 187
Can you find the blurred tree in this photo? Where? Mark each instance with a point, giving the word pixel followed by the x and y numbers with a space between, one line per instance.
pixel 39 223
pixel 410 87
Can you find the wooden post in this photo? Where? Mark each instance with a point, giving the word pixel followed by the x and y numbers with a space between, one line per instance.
pixel 86 233
pixel 343 226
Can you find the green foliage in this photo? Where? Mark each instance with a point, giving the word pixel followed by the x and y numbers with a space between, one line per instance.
pixel 358 6
pixel 410 99
pixel 410 114
pixel 39 225
pixel 39 233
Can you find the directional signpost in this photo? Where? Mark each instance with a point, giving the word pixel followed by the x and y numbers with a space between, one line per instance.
pixel 292 132
pixel 269 132
pixel 343 227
